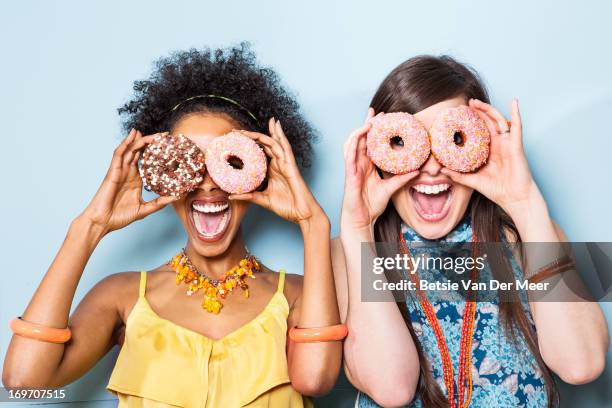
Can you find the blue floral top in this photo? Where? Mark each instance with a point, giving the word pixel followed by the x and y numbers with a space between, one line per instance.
pixel 504 374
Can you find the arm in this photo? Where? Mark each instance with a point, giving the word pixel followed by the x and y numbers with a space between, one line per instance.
pixel 313 367
pixel 33 363
pixel 379 345
pixel 570 323
pixel 574 324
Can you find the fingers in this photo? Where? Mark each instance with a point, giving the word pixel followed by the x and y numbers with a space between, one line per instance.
pixel 271 146
pixel 394 183
pixel 117 160
pixel 517 125
pixel 138 144
pixel 502 123
pixel 278 134
pixel 370 114
pixel 491 124
pixel 351 149
pixel 157 204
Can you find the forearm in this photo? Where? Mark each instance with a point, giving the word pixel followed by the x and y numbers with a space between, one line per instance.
pixel 314 367
pixel 379 345
pixel 563 320
pixel 50 306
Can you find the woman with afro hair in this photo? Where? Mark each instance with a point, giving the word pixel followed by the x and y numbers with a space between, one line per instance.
pixel 173 352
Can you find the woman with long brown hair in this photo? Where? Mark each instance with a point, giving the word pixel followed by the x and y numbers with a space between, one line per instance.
pixel 414 351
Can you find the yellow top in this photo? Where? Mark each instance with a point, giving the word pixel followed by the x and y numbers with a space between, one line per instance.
pixel 163 364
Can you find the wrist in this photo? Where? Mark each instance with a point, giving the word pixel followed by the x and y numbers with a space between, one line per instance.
pixel 533 200
pixel 86 229
pixel 533 221
pixel 318 221
pixel 351 233
pixel 522 210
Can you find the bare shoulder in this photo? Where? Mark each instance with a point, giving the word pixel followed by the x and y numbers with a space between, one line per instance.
pixel 119 290
pixel 117 283
pixel 293 287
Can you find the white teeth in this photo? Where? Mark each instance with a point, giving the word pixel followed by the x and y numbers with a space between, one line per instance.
pixel 210 207
pixel 429 189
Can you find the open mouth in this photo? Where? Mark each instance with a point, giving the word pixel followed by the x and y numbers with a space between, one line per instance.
pixel 210 219
pixel 432 201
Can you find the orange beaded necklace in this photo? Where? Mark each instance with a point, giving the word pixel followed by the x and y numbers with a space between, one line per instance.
pixel 214 289
pixel 467 334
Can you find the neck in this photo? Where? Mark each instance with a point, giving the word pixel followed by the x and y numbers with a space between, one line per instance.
pixel 214 267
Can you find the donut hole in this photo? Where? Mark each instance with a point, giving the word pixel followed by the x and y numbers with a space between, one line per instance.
pixel 236 162
pixel 172 166
pixel 396 142
pixel 459 138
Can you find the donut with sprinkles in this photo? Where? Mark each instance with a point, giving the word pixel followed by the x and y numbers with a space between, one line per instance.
pixel 397 142
pixel 172 165
pixel 460 139
pixel 236 163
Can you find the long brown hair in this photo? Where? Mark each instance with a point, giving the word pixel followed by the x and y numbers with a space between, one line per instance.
pixel 414 85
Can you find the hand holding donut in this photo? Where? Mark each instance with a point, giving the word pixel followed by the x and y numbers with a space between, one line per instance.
pixel 505 179
pixel 286 194
pixel 118 201
pixel 366 194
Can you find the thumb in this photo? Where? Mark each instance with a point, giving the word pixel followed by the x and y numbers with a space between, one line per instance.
pixel 394 183
pixel 157 204
pixel 467 179
pixel 255 197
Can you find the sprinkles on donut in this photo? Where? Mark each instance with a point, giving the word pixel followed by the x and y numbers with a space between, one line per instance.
pixel 172 165
pixel 397 142
pixel 236 163
pixel 460 139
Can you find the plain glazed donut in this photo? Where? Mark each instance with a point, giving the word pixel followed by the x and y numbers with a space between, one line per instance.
pixel 399 159
pixel 460 139
pixel 172 165
pixel 245 177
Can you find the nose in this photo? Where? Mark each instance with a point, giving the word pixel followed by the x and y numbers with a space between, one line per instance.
pixel 208 185
pixel 431 167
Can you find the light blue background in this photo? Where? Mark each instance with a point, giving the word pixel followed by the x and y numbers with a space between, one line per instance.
pixel 66 66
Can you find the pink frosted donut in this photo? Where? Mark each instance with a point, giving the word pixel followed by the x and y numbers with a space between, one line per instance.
pixel 383 146
pixel 460 139
pixel 236 163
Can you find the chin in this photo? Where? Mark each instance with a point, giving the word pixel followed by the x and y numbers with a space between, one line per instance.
pixel 432 208
pixel 211 222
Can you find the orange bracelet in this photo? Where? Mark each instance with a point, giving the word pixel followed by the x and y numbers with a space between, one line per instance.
pixel 317 334
pixel 39 332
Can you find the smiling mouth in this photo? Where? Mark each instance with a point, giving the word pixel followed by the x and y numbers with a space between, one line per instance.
pixel 210 219
pixel 432 202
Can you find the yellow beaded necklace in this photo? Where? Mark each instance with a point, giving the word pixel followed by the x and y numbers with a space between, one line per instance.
pixel 214 289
